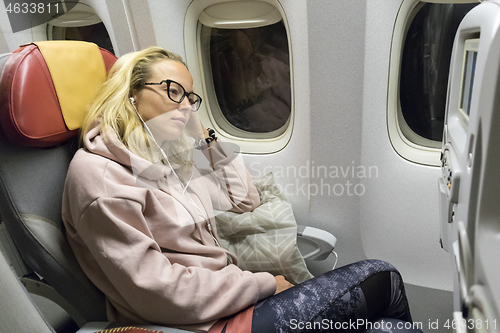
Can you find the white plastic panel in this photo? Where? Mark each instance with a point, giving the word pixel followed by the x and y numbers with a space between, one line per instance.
pixel 315 244
pixel 470 165
pixel 80 15
pixel 240 15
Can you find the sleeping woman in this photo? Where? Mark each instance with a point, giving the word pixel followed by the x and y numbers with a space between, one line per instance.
pixel 139 218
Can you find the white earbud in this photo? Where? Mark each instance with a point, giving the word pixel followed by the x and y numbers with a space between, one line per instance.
pixel 132 100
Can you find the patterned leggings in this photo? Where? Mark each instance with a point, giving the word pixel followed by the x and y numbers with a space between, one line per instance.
pixel 347 299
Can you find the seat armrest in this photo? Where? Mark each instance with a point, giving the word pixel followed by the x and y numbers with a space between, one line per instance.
pixel 313 243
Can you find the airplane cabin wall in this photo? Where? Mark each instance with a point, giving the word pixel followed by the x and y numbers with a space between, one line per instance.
pixel 4 47
pixel 12 41
pixel 400 213
pixel 129 23
pixel 168 23
pixel 336 55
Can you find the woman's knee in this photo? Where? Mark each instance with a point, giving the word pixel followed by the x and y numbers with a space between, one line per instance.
pixel 377 293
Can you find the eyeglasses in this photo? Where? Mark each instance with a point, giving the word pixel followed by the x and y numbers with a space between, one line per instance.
pixel 176 93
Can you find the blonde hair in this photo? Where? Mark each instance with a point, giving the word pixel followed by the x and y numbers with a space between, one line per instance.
pixel 115 111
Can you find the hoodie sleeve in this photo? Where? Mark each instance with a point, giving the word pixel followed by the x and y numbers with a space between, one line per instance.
pixel 137 274
pixel 229 183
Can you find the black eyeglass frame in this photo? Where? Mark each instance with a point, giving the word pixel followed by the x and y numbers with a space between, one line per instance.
pixel 185 94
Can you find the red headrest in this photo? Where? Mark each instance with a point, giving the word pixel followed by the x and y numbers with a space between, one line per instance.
pixel 30 113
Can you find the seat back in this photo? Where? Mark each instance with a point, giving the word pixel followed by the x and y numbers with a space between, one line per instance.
pixel 32 178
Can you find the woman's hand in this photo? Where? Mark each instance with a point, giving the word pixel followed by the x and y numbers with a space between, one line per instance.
pixel 282 284
pixel 194 128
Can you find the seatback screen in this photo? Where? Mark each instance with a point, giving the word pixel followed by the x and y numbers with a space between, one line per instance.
pixel 470 58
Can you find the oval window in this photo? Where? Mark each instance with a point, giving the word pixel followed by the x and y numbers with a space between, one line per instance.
pixel 250 78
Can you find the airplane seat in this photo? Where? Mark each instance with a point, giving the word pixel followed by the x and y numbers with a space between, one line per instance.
pixel 44 90
pixel 36 148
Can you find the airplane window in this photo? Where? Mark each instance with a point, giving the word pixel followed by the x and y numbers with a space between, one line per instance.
pixel 425 66
pixel 250 77
pixel 95 33
pixel 80 23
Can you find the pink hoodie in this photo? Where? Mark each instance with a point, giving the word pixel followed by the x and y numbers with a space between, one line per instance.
pixel 147 245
